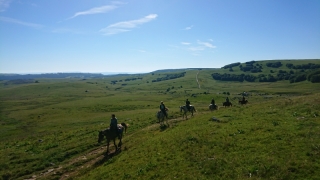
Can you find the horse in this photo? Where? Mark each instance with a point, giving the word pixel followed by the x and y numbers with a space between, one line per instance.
pixel 243 102
pixel 160 115
pixel 213 107
pixel 185 110
pixel 111 135
pixel 225 104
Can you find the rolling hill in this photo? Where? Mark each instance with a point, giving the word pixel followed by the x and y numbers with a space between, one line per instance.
pixel 49 126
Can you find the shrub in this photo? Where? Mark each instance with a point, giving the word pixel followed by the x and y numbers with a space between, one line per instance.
pixel 315 78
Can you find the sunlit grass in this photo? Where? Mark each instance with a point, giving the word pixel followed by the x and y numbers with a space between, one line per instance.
pixel 47 124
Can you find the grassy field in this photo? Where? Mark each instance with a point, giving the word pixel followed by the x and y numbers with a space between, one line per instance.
pixel 49 129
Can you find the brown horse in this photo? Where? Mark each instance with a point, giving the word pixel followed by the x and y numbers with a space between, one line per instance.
pixel 111 135
pixel 225 104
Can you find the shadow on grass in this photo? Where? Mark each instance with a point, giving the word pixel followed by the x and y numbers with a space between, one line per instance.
pixel 106 157
pixel 164 127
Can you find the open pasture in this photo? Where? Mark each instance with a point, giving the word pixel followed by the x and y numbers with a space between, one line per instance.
pixel 49 129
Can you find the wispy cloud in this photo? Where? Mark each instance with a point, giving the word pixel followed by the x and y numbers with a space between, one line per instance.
pixel 4 4
pixel 15 21
pixel 185 43
pixel 96 10
pixel 197 48
pixel 188 28
pixel 125 26
pixel 206 44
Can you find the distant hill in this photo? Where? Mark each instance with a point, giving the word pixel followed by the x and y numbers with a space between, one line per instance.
pixel 294 70
pixel 49 75
pixel 183 69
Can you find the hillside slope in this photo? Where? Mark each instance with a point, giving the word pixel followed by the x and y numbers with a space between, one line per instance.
pixel 278 138
pixel 49 127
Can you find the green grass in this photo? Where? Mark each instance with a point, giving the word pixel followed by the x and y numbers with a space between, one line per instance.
pixel 48 125
pixel 255 140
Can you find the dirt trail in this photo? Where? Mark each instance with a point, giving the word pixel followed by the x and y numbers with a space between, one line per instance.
pixel 90 159
pixel 198 80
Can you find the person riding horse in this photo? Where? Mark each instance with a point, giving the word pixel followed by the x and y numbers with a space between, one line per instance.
pixel 114 124
pixel 227 100
pixel 188 104
pixel 163 109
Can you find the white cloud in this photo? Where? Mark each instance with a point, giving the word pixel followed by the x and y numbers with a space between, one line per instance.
pixel 96 10
pixel 185 43
pixel 4 4
pixel 188 28
pixel 15 21
pixel 125 26
pixel 206 44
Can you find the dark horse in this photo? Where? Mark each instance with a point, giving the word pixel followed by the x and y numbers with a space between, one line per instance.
pixel 213 107
pixel 185 110
pixel 111 135
pixel 225 104
pixel 161 116
pixel 243 102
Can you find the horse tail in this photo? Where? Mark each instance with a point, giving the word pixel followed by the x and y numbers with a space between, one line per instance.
pixel 194 109
pixel 125 126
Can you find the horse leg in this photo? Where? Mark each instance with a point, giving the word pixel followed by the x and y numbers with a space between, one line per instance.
pixel 120 142
pixel 114 142
pixel 108 142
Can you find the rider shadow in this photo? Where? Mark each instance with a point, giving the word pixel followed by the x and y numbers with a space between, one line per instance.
pixel 106 157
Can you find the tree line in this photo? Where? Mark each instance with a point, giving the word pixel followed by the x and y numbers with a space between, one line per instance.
pixel 312 76
pixel 170 76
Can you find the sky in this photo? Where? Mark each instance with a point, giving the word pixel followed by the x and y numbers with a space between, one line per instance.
pixel 136 36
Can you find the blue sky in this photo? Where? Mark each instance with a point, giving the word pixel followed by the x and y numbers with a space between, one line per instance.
pixel 38 36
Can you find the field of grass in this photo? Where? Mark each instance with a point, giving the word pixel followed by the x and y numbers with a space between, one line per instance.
pixel 49 129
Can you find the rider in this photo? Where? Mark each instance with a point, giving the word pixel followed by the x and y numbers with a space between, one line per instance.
pixel 114 124
pixel 188 104
pixel 227 100
pixel 163 109
pixel 213 102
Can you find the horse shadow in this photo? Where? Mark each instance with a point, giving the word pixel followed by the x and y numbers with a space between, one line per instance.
pixel 164 127
pixel 106 157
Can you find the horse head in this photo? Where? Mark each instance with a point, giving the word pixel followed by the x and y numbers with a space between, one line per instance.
pixel 100 136
pixel 125 126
